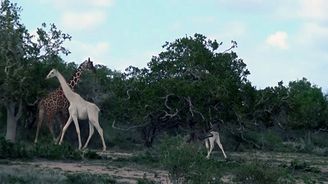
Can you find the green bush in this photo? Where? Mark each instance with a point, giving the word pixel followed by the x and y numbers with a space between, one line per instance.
pixel 260 172
pixel 89 154
pixel 186 163
pixel 303 166
pixel 147 157
pixel 49 151
pixel 320 139
pixel 11 150
pixel 267 140
pixel 145 181
pixel 42 176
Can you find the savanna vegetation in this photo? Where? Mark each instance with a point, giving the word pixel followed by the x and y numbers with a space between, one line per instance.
pixel 161 113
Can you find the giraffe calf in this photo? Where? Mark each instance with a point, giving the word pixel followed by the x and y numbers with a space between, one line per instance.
pixel 210 141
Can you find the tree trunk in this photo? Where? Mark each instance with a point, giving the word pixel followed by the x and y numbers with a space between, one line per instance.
pixel 12 118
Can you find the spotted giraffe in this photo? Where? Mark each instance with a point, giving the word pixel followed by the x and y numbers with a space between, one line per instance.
pixel 56 103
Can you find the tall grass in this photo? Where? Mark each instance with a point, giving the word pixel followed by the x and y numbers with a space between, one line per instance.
pixel 10 150
pixel 186 163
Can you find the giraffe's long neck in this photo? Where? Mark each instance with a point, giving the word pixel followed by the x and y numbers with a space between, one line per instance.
pixel 75 78
pixel 66 88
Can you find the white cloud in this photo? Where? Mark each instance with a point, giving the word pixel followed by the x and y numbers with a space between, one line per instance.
pixel 302 10
pixel 314 10
pixel 82 20
pixel 278 39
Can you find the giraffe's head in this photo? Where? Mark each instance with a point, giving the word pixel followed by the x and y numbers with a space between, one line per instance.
pixel 87 65
pixel 52 74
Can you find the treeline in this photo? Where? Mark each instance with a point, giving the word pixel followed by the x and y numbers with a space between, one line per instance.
pixel 192 86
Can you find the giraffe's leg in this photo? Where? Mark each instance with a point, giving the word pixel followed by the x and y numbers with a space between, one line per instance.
pixel 51 128
pixel 217 140
pixel 91 130
pixel 62 119
pixel 93 115
pixel 206 145
pixel 211 140
pixel 77 127
pixel 39 121
pixel 101 133
pixel 69 121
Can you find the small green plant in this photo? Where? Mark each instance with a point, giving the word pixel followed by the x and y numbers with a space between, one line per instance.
pixel 146 157
pixel 12 150
pixel 302 166
pixel 267 140
pixel 260 172
pixel 86 178
pixel 145 181
pixel 51 151
pixel 30 176
pixel 46 150
pixel 89 154
pixel 186 163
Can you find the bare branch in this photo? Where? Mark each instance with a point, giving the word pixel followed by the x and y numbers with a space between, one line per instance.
pixel 234 45
pixel 128 94
pixel 323 130
pixel 190 106
pixel 166 100
pixel 170 115
pixel 192 110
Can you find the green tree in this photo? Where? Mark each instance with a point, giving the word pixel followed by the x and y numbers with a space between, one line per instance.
pixel 19 58
pixel 308 105
pixel 188 86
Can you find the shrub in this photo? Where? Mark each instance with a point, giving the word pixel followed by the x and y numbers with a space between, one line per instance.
pixel 186 163
pixel 260 172
pixel 320 139
pixel 49 151
pixel 268 140
pixel 145 181
pixel 89 178
pixel 303 166
pixel 11 150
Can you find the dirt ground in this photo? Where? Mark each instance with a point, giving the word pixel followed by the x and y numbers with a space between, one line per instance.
pixel 319 162
pixel 131 173
pixel 122 174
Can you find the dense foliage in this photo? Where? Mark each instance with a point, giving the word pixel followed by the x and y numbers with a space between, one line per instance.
pixel 188 88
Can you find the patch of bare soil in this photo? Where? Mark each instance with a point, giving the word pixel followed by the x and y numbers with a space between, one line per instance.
pixel 122 174
pixel 319 162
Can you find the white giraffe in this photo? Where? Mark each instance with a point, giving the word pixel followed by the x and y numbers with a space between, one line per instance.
pixel 211 141
pixel 79 109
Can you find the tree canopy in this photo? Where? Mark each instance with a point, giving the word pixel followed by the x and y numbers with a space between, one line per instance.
pixel 190 87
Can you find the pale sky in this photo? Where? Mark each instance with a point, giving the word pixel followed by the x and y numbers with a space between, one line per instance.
pixel 277 39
